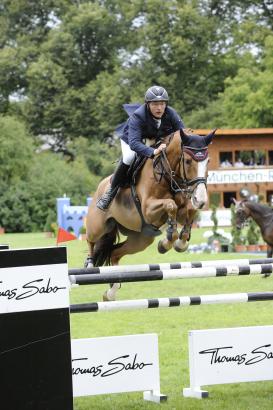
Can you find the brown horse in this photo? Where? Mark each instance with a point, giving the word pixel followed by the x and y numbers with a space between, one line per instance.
pixel 170 188
pixel 262 215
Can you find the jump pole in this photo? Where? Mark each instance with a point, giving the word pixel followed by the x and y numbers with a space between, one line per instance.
pixel 175 265
pixel 168 274
pixel 179 301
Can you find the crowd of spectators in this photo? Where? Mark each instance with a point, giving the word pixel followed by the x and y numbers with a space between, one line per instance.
pixel 239 163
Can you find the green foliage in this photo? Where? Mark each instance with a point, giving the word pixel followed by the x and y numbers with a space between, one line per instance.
pixel 16 150
pixel 214 219
pixel 98 156
pixel 248 97
pixel 25 207
pixel 50 220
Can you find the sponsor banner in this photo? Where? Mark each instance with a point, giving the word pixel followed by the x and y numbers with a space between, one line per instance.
pixel 115 364
pixel 240 176
pixel 223 218
pixel 230 355
pixel 36 287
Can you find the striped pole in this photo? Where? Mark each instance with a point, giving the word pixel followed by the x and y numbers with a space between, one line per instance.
pixel 160 266
pixel 167 274
pixel 171 302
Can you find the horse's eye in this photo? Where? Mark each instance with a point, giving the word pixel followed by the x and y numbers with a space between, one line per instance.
pixel 188 161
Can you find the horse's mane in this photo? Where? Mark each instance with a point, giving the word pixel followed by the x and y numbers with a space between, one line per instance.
pixel 254 206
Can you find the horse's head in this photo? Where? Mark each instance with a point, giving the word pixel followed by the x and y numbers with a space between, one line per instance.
pixel 241 213
pixel 194 166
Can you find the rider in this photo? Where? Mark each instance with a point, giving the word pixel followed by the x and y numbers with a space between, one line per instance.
pixel 151 121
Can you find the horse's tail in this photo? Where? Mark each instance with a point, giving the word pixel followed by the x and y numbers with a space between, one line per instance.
pixel 104 247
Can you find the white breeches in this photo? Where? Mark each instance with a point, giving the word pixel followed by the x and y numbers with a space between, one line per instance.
pixel 127 154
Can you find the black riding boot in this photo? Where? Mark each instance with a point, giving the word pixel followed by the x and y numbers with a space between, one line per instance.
pixel 118 179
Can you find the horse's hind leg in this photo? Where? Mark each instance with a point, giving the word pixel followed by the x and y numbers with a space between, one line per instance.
pixel 89 260
pixel 136 242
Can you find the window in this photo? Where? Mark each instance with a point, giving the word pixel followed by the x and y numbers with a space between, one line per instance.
pixel 225 159
pixel 249 158
pixel 228 198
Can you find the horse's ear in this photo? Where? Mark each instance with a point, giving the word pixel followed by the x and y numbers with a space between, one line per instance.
pixel 184 137
pixel 208 138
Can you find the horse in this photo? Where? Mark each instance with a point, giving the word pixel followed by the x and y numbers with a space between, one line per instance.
pixel 262 215
pixel 168 189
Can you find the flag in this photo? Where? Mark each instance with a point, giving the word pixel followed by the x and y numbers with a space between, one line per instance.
pixel 64 236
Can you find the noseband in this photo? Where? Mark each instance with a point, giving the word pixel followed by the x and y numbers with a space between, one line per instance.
pixel 179 184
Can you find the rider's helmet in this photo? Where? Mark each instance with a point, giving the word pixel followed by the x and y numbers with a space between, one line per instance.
pixel 156 93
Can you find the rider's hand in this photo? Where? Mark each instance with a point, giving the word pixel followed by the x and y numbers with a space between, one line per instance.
pixel 159 149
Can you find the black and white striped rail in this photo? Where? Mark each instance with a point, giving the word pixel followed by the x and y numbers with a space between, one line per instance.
pixel 168 274
pixel 162 266
pixel 179 301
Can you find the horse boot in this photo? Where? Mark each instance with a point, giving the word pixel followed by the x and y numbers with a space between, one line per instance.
pixel 118 179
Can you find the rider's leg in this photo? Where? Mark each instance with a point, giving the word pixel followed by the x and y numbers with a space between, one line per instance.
pixel 118 178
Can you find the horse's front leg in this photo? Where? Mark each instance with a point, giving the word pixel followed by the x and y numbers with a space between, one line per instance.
pixel 182 243
pixel 155 213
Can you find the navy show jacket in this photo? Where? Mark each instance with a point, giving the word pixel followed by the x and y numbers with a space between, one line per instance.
pixel 141 125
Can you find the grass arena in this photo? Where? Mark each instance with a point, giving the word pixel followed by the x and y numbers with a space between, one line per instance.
pixel 171 325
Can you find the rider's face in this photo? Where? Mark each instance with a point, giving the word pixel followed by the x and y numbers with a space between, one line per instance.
pixel 157 108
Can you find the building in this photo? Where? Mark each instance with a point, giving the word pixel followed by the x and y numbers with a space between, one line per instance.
pixel 240 159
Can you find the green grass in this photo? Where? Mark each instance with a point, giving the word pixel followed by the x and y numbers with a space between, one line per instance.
pixel 171 325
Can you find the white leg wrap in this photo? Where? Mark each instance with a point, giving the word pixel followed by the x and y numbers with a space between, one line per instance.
pixel 111 293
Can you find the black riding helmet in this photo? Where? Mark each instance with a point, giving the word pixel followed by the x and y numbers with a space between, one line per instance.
pixel 156 93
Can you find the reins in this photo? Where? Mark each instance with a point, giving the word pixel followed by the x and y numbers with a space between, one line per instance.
pixel 178 184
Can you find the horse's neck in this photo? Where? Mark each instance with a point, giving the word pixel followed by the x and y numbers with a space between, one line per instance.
pixel 174 151
pixel 260 217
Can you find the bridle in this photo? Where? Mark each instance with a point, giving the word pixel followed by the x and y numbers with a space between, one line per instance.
pixel 241 216
pixel 178 184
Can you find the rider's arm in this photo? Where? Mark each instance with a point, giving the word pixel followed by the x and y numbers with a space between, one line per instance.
pixel 135 138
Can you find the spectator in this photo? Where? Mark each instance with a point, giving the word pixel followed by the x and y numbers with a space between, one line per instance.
pixel 226 164
pixel 239 163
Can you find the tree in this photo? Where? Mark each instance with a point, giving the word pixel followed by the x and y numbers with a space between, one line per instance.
pixel 25 206
pixel 16 151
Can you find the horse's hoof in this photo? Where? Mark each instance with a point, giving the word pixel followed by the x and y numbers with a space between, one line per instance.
pixel 178 248
pixel 105 297
pixel 161 248
pixel 89 263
